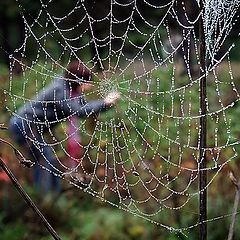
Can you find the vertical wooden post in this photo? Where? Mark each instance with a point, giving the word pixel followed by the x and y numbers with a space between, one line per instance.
pixel 203 127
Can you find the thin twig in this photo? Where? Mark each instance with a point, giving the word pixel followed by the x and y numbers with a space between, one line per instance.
pixel 28 200
pixel 22 160
pixel 235 206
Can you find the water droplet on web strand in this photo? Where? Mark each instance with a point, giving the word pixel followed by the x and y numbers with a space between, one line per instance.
pixel 135 173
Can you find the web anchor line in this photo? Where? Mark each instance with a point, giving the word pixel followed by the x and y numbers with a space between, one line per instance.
pixel 203 127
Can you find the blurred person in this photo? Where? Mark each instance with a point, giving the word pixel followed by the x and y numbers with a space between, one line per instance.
pixel 61 100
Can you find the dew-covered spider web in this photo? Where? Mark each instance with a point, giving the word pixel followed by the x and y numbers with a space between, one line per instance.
pixel 142 155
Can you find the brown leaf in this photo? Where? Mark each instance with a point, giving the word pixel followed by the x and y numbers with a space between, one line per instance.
pixel 2 126
pixel 26 162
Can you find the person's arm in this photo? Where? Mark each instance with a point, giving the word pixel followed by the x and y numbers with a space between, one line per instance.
pixel 92 107
pixel 82 108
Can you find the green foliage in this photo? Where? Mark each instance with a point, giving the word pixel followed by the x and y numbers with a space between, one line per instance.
pixel 75 216
pixel 24 88
pixel 3 70
pixel 81 217
pixel 14 231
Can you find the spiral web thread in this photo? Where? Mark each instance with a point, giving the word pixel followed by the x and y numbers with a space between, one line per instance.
pixel 141 156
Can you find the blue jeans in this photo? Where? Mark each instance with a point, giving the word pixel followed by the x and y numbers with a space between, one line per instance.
pixel 39 152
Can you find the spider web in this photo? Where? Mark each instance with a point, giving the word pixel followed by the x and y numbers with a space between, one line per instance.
pixel 142 156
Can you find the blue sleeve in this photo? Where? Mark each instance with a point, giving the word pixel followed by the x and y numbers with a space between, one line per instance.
pixel 82 108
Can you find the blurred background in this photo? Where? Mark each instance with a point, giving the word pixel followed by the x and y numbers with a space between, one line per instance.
pixel 37 41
